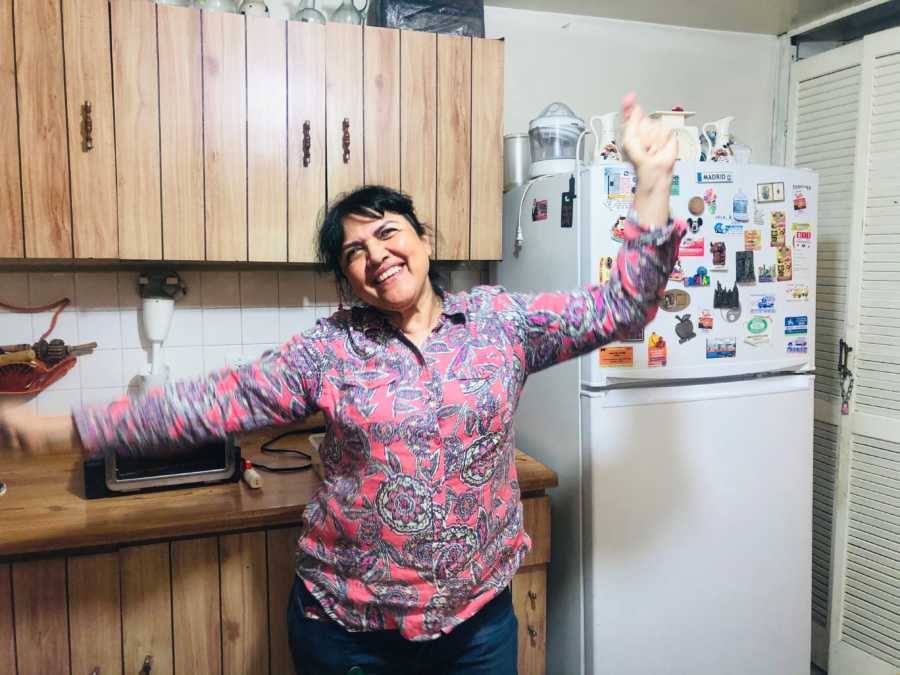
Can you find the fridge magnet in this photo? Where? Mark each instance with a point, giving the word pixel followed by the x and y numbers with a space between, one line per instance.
pixel 797 346
pixel 728 228
pixel 759 217
pixel 618 230
pixel 752 240
pixel 732 314
pixel 696 206
pixel 539 210
pixel 776 232
pixel 677 273
pixel 691 247
pixel 784 266
pixel 636 335
pixel 762 303
pixel 777 192
pixel 616 357
pixel 802 235
pixel 657 352
pixel 567 205
pixel 715 177
pixel 700 278
pixel 606 265
pixel 744 272
pixel 705 321
pixel 694 224
pixel 724 298
pixel 766 274
pixel 796 325
pixel 675 190
pixel 709 198
pixel 675 300
pixel 800 197
pixel 721 348
pixel 758 330
pixel 684 329
pixel 764 193
pixel 620 187
pixel 719 256
pixel 739 207
pixel 796 293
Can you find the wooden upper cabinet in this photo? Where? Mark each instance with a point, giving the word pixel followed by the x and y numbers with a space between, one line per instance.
pixel 92 143
pixel 306 137
pixel 381 85
pixel 487 150
pixel 12 241
pixel 181 132
pixel 418 123
pixel 136 98
pixel 225 135
pixel 43 139
pixel 267 139
pixel 454 161
pixel 344 107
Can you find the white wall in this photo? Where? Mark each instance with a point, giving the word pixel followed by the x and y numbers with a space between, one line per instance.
pixel 590 63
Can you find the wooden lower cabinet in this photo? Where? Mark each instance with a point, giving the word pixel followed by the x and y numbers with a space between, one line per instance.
pixel 213 604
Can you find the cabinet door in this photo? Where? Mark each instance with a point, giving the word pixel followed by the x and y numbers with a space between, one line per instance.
pixel 195 606
pixel 43 141
pixel 12 243
pixel 7 630
pixel 267 139
pixel 418 123
pixel 42 625
pixel 306 137
pixel 454 161
pixel 95 612
pixel 136 99
pixel 92 143
pixel 181 132
pixel 381 84
pixel 344 107
pixel 487 149
pixel 282 547
pixel 245 621
pixel 146 607
pixel 529 591
pixel 225 135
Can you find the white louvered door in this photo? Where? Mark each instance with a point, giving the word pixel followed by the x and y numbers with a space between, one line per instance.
pixel 822 135
pixel 865 598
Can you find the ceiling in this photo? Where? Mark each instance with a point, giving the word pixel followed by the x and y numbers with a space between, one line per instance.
pixel 752 16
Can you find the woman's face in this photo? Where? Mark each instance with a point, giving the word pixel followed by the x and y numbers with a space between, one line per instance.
pixel 385 261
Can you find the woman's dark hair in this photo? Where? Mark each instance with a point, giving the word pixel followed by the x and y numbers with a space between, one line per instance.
pixel 369 201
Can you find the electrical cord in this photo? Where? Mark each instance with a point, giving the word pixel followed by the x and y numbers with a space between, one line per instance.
pixel 267 448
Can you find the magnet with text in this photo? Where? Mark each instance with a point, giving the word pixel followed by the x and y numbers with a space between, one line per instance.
pixel 699 278
pixel 723 227
pixel 762 303
pixel 758 330
pixel 705 321
pixel 721 348
pixel 796 293
pixel 802 235
pixel 675 300
pixel 684 329
pixel 752 240
pixel 784 265
pixel 801 197
pixel 776 229
pixel 715 177
pixel 616 357
pixel 798 345
pixel 796 325
pixel 657 351
pixel 691 247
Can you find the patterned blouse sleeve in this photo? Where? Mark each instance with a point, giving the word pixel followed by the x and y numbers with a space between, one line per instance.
pixel 280 387
pixel 554 327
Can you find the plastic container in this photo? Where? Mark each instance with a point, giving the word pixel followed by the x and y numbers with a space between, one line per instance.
pixel 553 136
pixel 516 160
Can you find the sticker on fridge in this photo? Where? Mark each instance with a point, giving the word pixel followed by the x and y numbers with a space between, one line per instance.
pixel 710 199
pixel 657 351
pixel 606 265
pixel 762 303
pixel 797 346
pixel 721 348
pixel 801 235
pixel 796 325
pixel 616 357
pixel 796 293
pixel 617 232
pixel 784 265
pixel 705 321
pixel 801 197
pixel 777 229
pixel 715 177
pixel 691 247
pixel 766 274
pixel 719 256
pixel 752 240
pixel 758 330
pixel 677 273
pixel 728 228
pixel 620 186
pixel 539 210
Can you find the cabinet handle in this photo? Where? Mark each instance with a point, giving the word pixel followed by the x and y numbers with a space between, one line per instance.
pixel 307 144
pixel 87 127
pixel 96 670
pixel 532 633
pixel 148 665
pixel 533 597
pixel 346 140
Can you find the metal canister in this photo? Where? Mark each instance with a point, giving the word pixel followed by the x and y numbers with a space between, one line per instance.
pixel 516 160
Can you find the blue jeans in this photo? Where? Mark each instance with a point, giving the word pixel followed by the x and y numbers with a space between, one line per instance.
pixel 486 644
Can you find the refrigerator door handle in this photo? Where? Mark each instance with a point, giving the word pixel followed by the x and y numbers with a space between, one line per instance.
pixel 845 374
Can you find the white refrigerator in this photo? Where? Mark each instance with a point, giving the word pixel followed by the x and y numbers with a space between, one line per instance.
pixel 683 522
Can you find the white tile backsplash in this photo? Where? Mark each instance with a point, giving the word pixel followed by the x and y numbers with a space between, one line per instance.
pixel 259 325
pixel 186 329
pixel 294 320
pixel 101 395
pixel 16 328
pixel 66 326
pixel 52 402
pixel 184 362
pixel 221 326
pixel 103 368
pixel 101 327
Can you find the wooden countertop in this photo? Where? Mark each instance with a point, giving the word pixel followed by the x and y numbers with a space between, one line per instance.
pixel 44 509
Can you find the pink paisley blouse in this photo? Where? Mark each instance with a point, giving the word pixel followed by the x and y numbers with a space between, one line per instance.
pixel 418 523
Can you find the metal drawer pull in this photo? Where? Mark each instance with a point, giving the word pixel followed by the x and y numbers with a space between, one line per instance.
pixel 148 665
pixel 96 670
pixel 307 144
pixel 87 127
pixel 346 140
pixel 532 633
pixel 533 597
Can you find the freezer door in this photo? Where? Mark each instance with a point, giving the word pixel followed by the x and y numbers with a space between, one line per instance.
pixel 698 507
pixel 752 230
